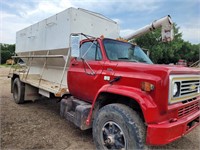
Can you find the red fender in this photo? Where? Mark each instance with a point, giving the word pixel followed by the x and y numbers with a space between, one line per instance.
pixel 143 98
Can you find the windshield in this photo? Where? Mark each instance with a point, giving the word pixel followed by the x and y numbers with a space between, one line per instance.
pixel 121 51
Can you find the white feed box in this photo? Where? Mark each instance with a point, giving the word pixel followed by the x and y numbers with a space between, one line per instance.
pixel 54 32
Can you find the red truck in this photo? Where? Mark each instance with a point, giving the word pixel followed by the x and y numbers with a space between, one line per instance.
pixel 115 89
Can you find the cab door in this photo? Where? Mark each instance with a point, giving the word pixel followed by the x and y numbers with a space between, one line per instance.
pixel 84 75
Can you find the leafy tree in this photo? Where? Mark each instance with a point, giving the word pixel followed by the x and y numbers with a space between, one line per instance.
pixel 189 52
pixel 6 51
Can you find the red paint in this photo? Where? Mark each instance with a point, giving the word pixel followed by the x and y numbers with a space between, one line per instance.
pixel 154 104
pixel 164 133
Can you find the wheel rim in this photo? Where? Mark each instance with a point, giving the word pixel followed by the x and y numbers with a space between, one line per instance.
pixel 112 136
pixel 15 92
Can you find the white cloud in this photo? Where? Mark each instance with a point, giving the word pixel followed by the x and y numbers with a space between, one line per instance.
pixel 118 21
pixel 117 6
pixel 126 32
pixel 191 34
pixel 66 4
pixel 191 30
pixel 25 16
pixel 9 27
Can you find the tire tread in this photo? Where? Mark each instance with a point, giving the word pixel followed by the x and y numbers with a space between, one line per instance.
pixel 131 116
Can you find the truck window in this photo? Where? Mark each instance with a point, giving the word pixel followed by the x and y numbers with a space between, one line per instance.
pixel 91 51
pixel 122 51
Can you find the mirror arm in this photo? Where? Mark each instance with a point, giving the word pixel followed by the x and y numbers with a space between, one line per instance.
pixel 85 62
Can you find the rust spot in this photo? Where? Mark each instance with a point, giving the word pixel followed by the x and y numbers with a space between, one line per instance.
pixel 61 92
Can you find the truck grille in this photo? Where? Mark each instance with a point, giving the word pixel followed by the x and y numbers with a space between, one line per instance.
pixel 188 109
pixel 189 87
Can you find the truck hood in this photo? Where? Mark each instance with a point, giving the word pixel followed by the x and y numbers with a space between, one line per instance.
pixel 155 69
pixel 133 74
pixel 172 69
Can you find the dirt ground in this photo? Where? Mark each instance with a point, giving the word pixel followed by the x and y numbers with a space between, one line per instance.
pixel 37 125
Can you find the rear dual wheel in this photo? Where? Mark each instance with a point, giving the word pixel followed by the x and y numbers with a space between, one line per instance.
pixel 18 91
pixel 117 126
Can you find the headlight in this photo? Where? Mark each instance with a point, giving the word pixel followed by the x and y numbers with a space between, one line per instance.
pixel 176 89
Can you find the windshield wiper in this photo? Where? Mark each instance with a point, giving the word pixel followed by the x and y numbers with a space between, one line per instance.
pixel 125 58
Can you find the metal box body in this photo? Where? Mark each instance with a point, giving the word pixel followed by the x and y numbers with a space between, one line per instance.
pixel 53 32
pixel 50 37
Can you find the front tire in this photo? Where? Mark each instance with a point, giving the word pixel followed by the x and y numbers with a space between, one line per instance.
pixel 117 126
pixel 18 91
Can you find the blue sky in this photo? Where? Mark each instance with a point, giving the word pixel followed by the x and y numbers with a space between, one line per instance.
pixel 130 14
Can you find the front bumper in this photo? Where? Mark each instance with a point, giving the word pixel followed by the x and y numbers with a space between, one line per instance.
pixel 164 133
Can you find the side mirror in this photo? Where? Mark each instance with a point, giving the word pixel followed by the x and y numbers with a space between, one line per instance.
pixel 75 45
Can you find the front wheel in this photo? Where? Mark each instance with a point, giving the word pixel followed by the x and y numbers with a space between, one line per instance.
pixel 117 126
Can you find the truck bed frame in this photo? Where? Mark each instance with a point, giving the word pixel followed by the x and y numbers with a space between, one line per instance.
pixel 41 79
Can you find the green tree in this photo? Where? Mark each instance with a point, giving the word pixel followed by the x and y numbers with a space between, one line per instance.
pixel 6 51
pixel 189 52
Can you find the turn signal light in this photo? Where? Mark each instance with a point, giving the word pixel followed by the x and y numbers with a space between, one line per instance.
pixel 146 86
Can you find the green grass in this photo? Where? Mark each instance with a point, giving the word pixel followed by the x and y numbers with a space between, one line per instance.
pixel 4 65
pixel 7 66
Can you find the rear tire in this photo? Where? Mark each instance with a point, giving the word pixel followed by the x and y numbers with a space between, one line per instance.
pixel 18 91
pixel 117 126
